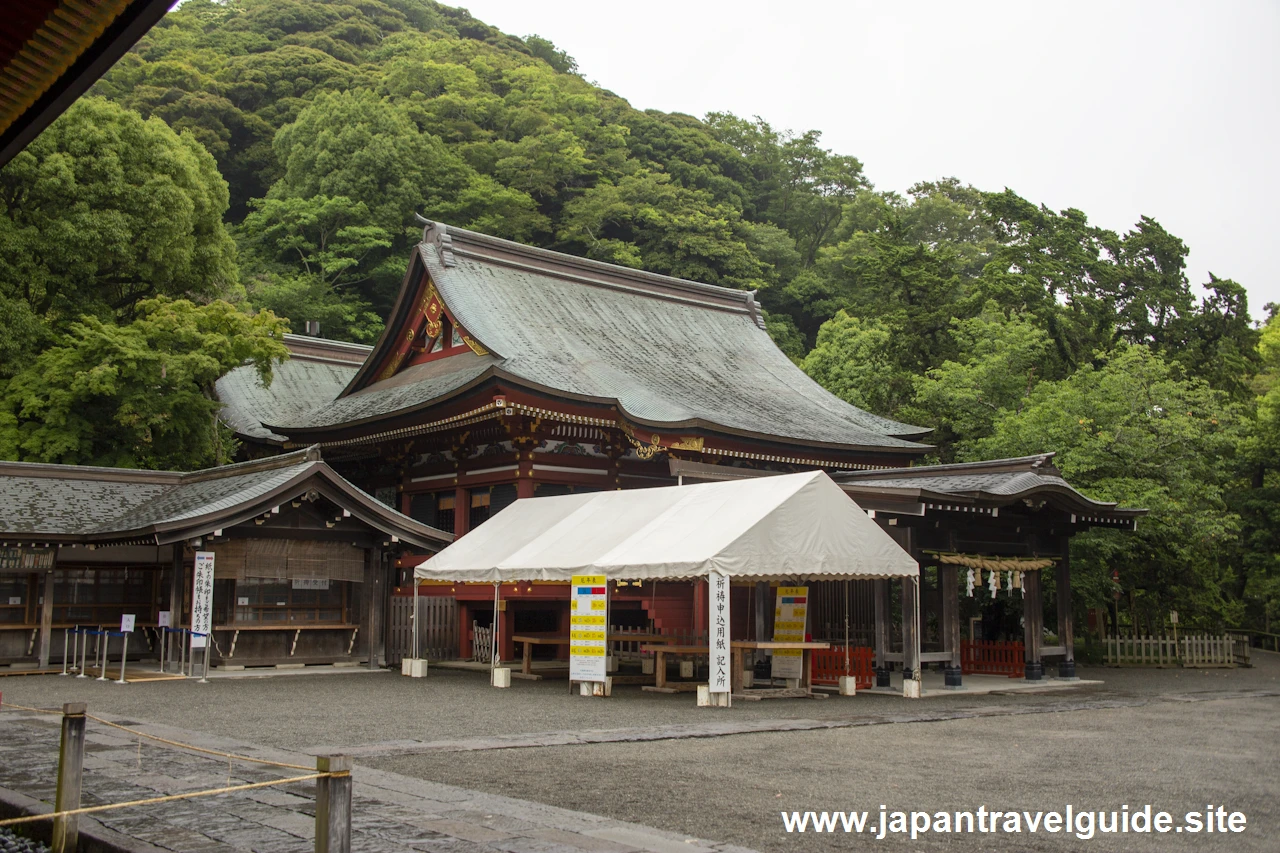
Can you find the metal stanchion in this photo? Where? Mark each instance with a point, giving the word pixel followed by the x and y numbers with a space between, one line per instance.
pixel 84 649
pixel 66 632
pixel 102 643
pixel 124 657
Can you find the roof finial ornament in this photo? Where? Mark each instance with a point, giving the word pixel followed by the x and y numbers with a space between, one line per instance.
pixel 437 233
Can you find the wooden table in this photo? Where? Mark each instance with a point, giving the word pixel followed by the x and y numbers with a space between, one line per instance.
pixel 295 627
pixel 526 666
pixel 660 652
pixel 806 681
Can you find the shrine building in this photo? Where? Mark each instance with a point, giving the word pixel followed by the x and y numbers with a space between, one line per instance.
pixel 507 371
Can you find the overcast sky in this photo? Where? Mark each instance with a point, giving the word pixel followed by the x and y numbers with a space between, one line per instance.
pixel 1164 109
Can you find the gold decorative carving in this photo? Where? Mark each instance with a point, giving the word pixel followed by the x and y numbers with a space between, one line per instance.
pixel 687 442
pixel 475 345
pixel 396 361
pixel 646 451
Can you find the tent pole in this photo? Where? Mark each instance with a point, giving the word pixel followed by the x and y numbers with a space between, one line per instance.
pixel 413 622
pixel 493 635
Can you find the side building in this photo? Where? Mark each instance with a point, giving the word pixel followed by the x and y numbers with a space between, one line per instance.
pixel 302 559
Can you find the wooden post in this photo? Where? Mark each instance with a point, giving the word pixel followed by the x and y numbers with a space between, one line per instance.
pixel 375 589
pixel 46 620
pixel 1066 626
pixel 66 829
pixel 949 586
pixel 911 637
pixel 333 805
pixel 881 594
pixel 1032 625
pixel 762 619
pixel 524 486
pixel 461 511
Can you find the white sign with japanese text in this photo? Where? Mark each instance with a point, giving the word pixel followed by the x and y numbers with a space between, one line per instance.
pixel 162 619
pixel 127 621
pixel 202 600
pixel 720 680
pixel 588 628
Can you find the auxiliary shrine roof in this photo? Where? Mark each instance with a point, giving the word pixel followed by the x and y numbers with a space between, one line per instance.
pixel 82 504
pixel 670 354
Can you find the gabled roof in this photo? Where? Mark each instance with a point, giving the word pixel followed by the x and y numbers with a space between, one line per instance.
pixel 997 482
pixel 316 372
pixel 671 354
pixel 992 483
pixel 80 504
pixel 790 526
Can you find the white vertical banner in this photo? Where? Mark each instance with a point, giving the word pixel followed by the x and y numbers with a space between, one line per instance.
pixel 718 598
pixel 588 631
pixel 202 599
pixel 790 612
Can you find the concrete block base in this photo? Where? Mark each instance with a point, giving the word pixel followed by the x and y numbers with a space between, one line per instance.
pixel 647 666
pixel 414 667
pixel 707 699
pixel 686 669
pixel 848 685
pixel 596 688
pixel 502 676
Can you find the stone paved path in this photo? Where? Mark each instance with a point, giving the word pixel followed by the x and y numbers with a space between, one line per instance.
pixel 390 812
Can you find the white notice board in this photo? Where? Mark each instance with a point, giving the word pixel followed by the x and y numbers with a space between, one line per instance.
pixel 202 599
pixel 789 614
pixel 588 628
pixel 721 655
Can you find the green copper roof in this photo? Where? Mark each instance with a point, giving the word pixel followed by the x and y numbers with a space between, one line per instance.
pixel 671 354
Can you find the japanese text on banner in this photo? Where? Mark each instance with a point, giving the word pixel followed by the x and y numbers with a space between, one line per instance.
pixel 202 600
pixel 721 653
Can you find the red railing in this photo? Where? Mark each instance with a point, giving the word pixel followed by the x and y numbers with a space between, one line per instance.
pixel 984 658
pixel 829 665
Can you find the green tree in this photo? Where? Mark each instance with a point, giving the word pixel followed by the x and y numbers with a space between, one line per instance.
pixel 646 220
pixel 139 395
pixel 854 361
pixel 105 209
pixel 1001 360
pixel 1136 430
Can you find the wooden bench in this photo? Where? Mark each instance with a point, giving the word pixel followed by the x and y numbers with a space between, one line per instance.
pixel 296 629
pixel 529 641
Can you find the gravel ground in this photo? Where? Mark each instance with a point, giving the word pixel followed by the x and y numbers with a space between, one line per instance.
pixel 300 711
pixel 1176 739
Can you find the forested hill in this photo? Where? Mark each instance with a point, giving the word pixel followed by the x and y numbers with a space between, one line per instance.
pixel 263 159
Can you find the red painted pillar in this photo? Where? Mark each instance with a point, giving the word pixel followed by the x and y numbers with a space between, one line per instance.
pixel 524 487
pixel 700 607
pixel 461 511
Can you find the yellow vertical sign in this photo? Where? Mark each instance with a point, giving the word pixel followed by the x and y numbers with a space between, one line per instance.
pixel 790 613
pixel 588 627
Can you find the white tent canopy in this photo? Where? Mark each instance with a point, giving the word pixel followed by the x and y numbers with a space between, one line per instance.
pixel 794 526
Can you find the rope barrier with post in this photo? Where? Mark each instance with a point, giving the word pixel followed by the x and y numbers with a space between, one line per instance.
pixel 332 775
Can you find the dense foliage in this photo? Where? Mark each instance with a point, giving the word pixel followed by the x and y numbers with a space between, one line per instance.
pixel 311 131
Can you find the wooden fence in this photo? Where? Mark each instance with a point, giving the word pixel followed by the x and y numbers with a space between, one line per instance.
pixel 1164 650
pixel 830 664
pixel 981 657
pixel 437 624
pixel 481 643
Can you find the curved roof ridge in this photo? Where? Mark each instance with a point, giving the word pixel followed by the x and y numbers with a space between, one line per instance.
pixel 1039 463
pixel 450 240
